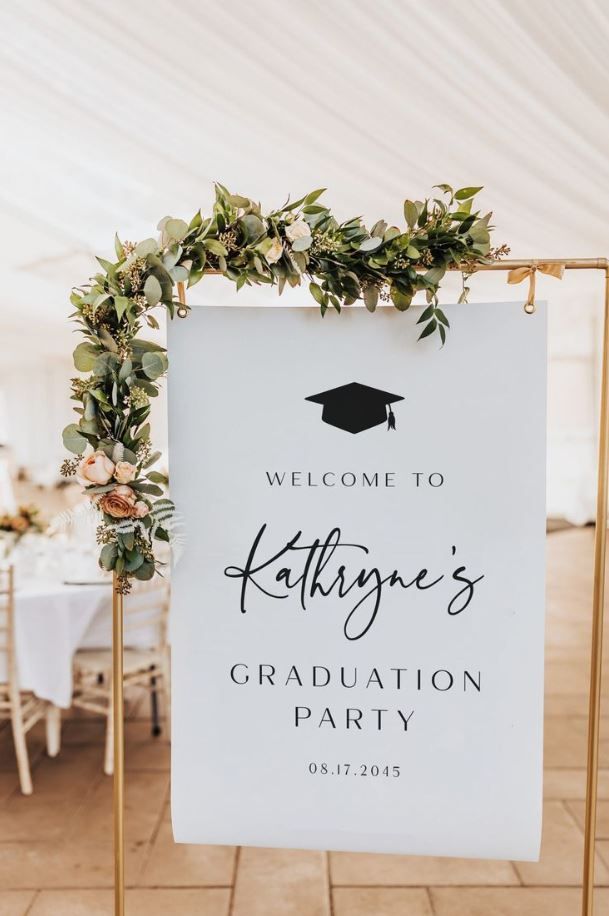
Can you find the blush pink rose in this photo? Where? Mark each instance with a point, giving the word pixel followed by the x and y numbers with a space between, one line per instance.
pixel 95 469
pixel 124 471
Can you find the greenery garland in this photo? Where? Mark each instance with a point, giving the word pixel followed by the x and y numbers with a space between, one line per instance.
pixel 344 262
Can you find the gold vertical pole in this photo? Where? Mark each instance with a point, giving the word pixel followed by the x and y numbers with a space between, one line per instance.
pixel 598 606
pixel 119 748
pixel 182 293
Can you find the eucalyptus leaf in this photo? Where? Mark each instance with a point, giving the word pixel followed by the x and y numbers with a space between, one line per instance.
pixel 196 221
pixel 391 233
pixel 148 246
pixel 400 299
pixel 317 292
pixel 154 364
pixel 89 426
pixel 465 193
pixel 151 488
pixel 252 227
pixel 121 304
pixel 147 386
pixel 97 490
pixel 152 290
pixel 128 539
pixel 371 298
pixel 411 214
pixel 172 256
pixel 73 440
pixel 428 329
pixel 435 275
pixel 442 317
pixel 129 456
pixel 179 274
pixel 371 244
pixel 84 357
pixel 108 266
pixel 134 562
pixel 215 247
pixel 302 244
pixel 107 340
pixel 312 197
pixel 152 459
pixel 175 229
pixel 426 314
pixel 143 433
pixel 140 346
pixel 145 571
pixel 378 230
pixel 125 370
pixel 90 410
pixel 108 556
pixel 237 200
pixel 105 364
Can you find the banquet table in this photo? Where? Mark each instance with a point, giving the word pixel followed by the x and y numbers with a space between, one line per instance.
pixel 53 620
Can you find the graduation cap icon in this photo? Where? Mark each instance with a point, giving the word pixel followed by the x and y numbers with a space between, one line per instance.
pixel 355 407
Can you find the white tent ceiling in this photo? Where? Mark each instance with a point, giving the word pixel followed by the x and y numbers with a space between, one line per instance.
pixel 115 114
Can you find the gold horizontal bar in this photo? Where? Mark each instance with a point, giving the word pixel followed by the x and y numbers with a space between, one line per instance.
pixel 568 264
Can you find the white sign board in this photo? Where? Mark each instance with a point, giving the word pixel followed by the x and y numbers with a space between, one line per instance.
pixel 358 614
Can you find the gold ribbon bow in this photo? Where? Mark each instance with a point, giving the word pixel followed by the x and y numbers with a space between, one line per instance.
pixel 518 274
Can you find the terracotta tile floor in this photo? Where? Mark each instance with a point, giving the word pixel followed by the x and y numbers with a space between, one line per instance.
pixel 55 847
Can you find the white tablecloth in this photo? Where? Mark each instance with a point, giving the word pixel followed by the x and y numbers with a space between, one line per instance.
pixel 51 623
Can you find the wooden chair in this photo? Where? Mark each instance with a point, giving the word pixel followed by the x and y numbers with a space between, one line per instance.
pixel 145 660
pixel 22 707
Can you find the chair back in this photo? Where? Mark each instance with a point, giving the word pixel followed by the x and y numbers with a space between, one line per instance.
pixel 145 619
pixel 146 614
pixel 8 662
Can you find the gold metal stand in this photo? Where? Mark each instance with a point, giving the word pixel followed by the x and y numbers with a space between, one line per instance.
pixel 598 603
pixel 119 749
pixel 598 596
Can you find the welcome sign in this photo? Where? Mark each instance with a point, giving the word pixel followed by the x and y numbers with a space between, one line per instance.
pixel 358 613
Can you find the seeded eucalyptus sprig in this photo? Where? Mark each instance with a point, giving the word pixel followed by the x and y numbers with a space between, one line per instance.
pixel 343 262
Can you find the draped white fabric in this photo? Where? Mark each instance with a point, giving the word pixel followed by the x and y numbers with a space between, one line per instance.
pixel 116 114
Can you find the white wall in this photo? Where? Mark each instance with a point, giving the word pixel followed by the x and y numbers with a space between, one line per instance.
pixel 37 407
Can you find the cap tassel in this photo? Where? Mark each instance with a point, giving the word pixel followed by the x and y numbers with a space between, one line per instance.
pixel 390 419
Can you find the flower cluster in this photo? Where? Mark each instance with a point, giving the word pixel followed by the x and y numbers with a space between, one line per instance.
pixel 343 262
pixel 27 519
pixel 118 500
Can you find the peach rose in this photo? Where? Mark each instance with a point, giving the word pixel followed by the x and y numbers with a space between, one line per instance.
pixel 124 471
pixel 119 502
pixel 95 469
pixel 140 509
